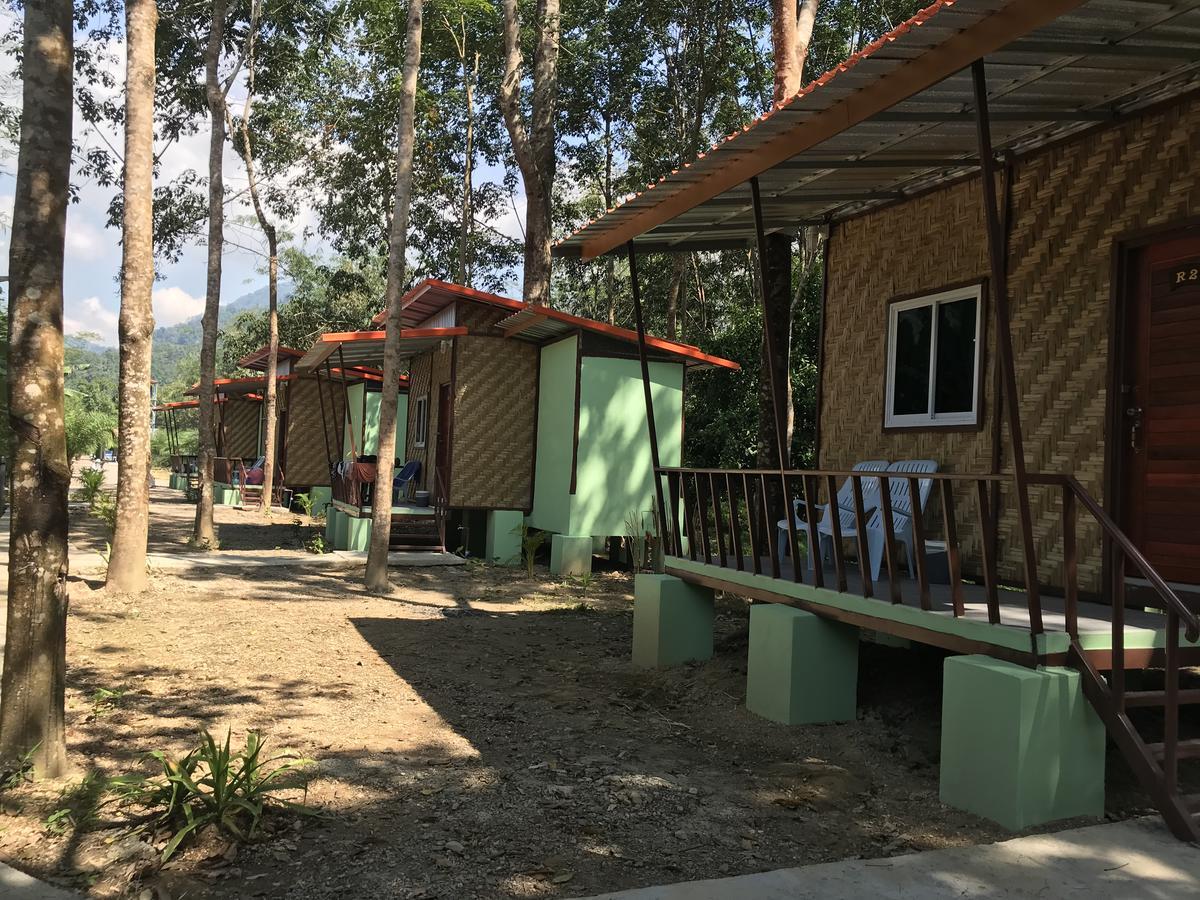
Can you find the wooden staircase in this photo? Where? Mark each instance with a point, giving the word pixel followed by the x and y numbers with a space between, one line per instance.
pixel 1156 764
pixel 411 532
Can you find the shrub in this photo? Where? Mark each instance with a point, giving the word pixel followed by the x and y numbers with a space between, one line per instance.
pixel 92 485
pixel 213 785
pixel 305 502
pixel 105 507
pixel 531 542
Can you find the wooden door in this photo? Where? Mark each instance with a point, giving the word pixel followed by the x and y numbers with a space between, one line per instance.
pixel 444 434
pixel 1162 408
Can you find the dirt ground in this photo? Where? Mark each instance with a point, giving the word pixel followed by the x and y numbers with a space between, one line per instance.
pixel 476 734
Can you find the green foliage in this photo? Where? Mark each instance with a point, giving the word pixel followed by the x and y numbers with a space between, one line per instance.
pixel 104 507
pixel 213 785
pixel 89 431
pixel 305 502
pixel 92 481
pixel 20 772
pixel 105 700
pixel 531 541
pixel 316 544
pixel 79 805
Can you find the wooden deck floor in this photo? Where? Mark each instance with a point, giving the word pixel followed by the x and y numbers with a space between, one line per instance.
pixel 972 632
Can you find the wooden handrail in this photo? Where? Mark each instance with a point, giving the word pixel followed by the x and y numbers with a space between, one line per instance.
pixel 1127 547
pixel 712 516
pixel 841 473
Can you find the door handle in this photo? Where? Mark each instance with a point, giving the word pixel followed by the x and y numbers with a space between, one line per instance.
pixel 1135 414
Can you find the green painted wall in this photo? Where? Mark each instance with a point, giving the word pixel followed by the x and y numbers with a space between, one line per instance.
pixel 613 466
pixel 613 475
pixel 366 435
pixel 555 437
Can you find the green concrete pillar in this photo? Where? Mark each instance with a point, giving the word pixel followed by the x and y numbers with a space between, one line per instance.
pixel 570 554
pixel 503 541
pixel 356 532
pixel 672 621
pixel 802 669
pixel 1020 746
pixel 321 498
pixel 332 516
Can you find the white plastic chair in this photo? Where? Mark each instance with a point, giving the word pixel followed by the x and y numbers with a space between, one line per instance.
pixel 845 505
pixel 902 520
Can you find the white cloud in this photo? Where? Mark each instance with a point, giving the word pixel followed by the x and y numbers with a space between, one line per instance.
pixel 89 315
pixel 85 242
pixel 173 305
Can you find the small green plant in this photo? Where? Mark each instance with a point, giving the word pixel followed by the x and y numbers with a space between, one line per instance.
pixel 583 582
pixel 105 700
pixel 104 507
pixel 213 785
pixel 531 541
pixel 305 502
pixel 79 805
pixel 92 485
pixel 316 544
pixel 19 773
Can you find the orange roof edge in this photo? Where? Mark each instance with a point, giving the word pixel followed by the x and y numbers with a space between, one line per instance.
pixel 688 351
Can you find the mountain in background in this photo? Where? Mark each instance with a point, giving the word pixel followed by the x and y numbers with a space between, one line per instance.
pixel 178 345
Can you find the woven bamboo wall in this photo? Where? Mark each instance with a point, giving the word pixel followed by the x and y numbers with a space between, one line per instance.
pixel 495 405
pixel 1071 202
pixel 478 318
pixel 307 453
pixel 241 428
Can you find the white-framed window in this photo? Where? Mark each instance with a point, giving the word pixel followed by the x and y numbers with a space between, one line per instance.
pixel 933 359
pixel 420 421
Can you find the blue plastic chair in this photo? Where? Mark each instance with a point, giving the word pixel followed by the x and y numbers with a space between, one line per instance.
pixel 406 476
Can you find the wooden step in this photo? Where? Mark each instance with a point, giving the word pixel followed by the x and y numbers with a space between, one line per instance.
pixel 1159 698
pixel 1183 749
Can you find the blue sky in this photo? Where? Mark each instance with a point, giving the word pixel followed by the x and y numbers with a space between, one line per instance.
pixel 93 250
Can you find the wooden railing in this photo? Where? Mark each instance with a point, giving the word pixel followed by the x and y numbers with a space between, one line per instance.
pixel 440 502
pixel 730 518
pixel 182 463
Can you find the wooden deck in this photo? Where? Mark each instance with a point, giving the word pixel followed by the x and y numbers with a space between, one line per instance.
pixel 1144 631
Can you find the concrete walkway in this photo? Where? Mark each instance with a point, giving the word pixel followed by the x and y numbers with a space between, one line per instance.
pixel 1133 859
pixel 16 885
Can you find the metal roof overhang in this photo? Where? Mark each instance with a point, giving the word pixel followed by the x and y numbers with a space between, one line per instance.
pixel 359 349
pixel 898 118
pixel 540 323
pixel 258 358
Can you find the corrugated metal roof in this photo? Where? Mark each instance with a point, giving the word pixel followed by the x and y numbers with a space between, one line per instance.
pixel 357 349
pixel 862 139
pixel 531 323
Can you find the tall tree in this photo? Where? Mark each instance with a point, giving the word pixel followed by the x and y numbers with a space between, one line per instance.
pixel 533 144
pixel 32 685
pixel 791 36
pixel 270 412
pixel 381 515
pixel 127 563
pixel 215 93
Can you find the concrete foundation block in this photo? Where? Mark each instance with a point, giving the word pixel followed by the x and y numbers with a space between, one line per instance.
pixel 570 554
pixel 672 621
pixel 354 533
pixel 1020 746
pixel 332 516
pixel 802 669
pixel 502 543
pixel 226 494
pixel 321 498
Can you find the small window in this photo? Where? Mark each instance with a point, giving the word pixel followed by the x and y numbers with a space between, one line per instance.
pixel 933 360
pixel 421 421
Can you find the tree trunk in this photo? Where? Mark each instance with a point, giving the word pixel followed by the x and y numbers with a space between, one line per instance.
pixel 678 264
pixel 777 298
pixel 381 514
pixel 203 534
pixel 32 686
pixel 791 35
pixel 271 414
pixel 533 147
pixel 127 562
